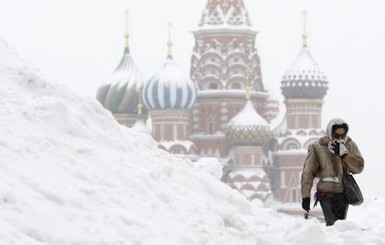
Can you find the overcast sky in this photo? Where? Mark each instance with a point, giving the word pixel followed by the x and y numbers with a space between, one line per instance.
pixel 80 42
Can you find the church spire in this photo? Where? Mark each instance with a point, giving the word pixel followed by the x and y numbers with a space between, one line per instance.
pixel 126 34
pixel 169 43
pixel 304 34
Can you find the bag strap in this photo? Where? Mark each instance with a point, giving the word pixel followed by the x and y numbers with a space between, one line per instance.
pixel 344 168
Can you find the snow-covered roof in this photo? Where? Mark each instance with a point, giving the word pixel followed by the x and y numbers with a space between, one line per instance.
pixel 248 127
pixel 248 117
pixel 169 89
pixel 303 67
pixel 304 78
pixel 121 93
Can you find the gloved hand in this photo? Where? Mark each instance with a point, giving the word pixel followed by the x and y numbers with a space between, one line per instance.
pixel 306 204
pixel 336 147
pixel 339 149
pixel 343 151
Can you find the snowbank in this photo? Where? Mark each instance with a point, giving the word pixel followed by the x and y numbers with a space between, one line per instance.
pixel 70 174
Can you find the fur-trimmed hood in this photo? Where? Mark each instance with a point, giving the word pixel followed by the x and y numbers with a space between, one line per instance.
pixel 333 122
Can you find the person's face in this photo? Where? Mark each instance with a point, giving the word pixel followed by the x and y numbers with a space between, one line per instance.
pixel 339 133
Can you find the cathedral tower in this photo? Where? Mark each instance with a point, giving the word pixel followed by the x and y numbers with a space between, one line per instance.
pixel 248 135
pixel 304 85
pixel 224 50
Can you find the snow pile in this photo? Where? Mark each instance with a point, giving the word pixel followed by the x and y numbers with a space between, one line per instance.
pixel 71 175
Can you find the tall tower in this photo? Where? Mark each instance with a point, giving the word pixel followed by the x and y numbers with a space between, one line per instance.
pixel 121 93
pixel 224 49
pixel 248 135
pixel 304 85
pixel 169 96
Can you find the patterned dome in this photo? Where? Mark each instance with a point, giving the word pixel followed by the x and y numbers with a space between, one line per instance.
pixel 169 89
pixel 304 79
pixel 121 93
pixel 248 128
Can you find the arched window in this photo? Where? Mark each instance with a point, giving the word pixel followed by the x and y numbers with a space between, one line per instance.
pixel 176 151
pixel 213 86
pixel 292 146
pixel 235 86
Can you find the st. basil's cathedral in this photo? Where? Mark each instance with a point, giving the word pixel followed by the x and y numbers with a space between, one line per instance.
pixel 223 110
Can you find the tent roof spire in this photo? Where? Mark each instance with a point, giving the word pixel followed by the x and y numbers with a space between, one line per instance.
pixel 127 34
pixel 304 34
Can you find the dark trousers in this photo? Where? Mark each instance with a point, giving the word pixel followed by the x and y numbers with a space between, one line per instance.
pixel 334 207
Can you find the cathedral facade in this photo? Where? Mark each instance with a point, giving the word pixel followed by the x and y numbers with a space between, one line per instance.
pixel 222 109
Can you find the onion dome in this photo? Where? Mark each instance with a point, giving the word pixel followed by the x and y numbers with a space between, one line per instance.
pixel 120 94
pixel 248 128
pixel 271 108
pixel 169 88
pixel 304 79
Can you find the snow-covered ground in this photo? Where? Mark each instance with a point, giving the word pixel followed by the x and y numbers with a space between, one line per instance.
pixel 69 174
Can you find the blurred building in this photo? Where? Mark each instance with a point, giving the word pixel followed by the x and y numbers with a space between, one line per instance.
pixel 223 109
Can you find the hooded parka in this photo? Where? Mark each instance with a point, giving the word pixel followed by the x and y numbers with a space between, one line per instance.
pixel 322 162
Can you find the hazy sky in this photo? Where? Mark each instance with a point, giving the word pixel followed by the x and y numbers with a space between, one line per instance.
pixel 80 42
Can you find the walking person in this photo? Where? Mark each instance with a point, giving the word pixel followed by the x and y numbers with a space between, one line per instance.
pixel 327 159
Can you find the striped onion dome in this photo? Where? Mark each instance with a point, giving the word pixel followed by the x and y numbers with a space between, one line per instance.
pixel 121 93
pixel 169 89
pixel 248 128
pixel 304 78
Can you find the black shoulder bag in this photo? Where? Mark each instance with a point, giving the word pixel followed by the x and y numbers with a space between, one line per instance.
pixel 353 195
